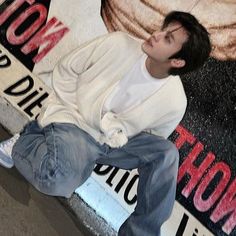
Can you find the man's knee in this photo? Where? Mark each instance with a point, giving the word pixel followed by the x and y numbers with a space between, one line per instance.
pixel 173 149
pixel 171 155
pixel 162 144
pixel 53 179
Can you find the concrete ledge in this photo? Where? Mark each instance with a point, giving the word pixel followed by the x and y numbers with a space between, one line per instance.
pixel 11 118
pixel 87 216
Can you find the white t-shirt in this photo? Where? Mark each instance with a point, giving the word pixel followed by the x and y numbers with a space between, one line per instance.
pixel 135 87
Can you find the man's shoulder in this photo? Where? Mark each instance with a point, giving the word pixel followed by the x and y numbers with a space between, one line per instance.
pixel 176 82
pixel 121 37
pixel 120 34
pixel 176 91
pixel 119 43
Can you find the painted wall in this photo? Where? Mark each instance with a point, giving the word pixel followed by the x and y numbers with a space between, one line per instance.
pixel 35 34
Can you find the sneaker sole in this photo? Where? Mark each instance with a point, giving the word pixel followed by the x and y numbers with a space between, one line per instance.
pixel 5 161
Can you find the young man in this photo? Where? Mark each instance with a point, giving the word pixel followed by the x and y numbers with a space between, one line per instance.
pixel 115 100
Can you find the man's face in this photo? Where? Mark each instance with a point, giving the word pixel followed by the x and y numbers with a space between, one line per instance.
pixel 162 45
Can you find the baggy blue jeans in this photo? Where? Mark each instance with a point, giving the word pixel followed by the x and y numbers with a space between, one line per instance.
pixel 59 158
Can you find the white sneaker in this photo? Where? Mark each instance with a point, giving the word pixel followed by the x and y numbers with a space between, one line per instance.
pixel 6 150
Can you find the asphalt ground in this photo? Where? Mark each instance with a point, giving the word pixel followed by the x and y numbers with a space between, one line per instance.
pixel 26 212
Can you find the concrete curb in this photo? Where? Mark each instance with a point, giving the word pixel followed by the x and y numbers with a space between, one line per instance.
pixel 95 224
pixel 11 119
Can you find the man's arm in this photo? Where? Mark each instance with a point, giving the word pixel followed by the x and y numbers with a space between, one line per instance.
pixel 66 74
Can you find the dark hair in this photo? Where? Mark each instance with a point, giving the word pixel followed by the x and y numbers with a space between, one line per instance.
pixel 196 49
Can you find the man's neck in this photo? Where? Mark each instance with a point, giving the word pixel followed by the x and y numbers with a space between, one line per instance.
pixel 157 70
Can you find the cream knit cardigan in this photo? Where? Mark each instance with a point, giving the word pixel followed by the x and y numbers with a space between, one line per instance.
pixel 83 79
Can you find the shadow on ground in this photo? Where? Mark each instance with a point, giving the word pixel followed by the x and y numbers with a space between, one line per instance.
pixel 25 211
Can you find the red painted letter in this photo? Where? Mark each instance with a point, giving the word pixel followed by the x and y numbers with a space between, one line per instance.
pixel 184 136
pixel 40 38
pixel 196 173
pixel 13 38
pixel 227 206
pixel 12 8
pixel 204 205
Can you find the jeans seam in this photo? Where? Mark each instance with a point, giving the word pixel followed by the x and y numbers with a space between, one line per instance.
pixel 148 186
pixel 51 130
pixel 19 156
pixel 55 148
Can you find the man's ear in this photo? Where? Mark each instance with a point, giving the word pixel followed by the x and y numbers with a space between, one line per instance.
pixel 177 63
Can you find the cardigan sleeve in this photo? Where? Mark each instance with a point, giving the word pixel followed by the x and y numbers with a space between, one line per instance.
pixel 66 74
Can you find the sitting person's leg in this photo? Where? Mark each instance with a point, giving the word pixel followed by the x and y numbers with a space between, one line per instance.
pixel 60 157
pixel 157 163
pixel 55 159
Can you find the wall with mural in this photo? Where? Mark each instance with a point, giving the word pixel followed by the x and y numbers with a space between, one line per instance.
pixel 35 34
